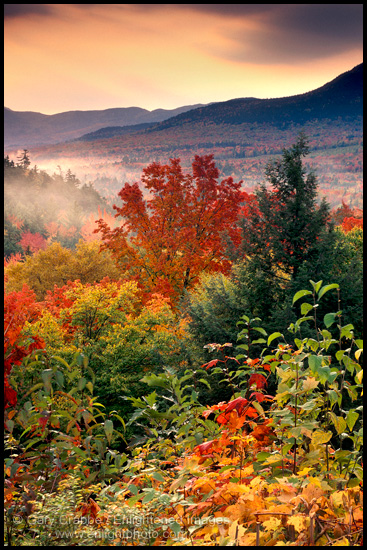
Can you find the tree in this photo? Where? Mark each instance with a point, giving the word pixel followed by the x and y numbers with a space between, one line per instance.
pixel 32 242
pixel 23 159
pixel 56 265
pixel 19 308
pixel 174 232
pixel 287 222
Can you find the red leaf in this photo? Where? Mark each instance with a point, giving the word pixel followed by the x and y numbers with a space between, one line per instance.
pixel 257 379
pixel 212 363
pixel 238 404
pixel 205 448
pixel 260 397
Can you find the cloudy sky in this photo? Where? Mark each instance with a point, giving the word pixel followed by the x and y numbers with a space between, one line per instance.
pixel 63 57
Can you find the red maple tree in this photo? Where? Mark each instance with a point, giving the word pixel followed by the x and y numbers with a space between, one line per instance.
pixel 174 232
pixel 19 307
pixel 32 242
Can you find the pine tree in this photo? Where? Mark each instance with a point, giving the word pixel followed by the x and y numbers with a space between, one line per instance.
pixel 284 228
pixel 23 159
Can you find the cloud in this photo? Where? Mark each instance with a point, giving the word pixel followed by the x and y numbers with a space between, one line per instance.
pixel 11 11
pixel 286 33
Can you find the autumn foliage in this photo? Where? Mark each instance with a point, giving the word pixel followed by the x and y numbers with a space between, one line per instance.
pixel 174 232
pixel 19 308
pixel 112 434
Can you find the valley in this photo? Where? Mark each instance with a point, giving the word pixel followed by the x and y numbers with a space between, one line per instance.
pixel 243 135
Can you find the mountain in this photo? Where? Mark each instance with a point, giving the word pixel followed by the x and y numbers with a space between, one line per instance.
pixel 243 134
pixel 342 97
pixel 27 129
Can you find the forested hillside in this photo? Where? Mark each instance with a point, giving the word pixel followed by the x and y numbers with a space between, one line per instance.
pixel 242 134
pixel 187 371
pixel 40 208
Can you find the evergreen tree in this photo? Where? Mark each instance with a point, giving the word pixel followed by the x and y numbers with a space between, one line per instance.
pixel 284 228
pixel 23 159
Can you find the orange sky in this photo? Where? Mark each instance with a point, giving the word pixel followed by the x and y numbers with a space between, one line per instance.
pixel 62 57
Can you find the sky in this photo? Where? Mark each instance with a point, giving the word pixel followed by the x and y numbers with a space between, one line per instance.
pixel 67 57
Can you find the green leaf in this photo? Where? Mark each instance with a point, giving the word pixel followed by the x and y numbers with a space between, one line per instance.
pixel 158 477
pixel 148 497
pixel 132 488
pixel 120 419
pixel 33 389
pixel 79 452
pixel 258 407
pixel 108 429
pixel 329 319
pixel 176 528
pixel 316 286
pixel 314 362
pixel 59 378
pixel 300 294
pixel 347 331
pixel 61 360
pixel 33 442
pixel 273 336
pixel 245 318
pixel 305 308
pixel 47 377
pixel 295 431
pixel 81 383
pixel 242 346
pixel 326 288
pixel 339 423
pixel 133 500
pixel 262 455
pixel 351 419
pixel 261 330
pixel 286 448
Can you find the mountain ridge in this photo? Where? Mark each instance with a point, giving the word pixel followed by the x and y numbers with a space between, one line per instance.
pixel 29 128
pixel 341 97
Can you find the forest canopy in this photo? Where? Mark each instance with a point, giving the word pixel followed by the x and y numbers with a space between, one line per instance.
pixel 194 359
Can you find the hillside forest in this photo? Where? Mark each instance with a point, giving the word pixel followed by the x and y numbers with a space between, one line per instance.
pixel 183 367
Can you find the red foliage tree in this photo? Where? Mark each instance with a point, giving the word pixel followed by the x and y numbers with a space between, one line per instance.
pixel 175 233
pixel 32 242
pixel 351 223
pixel 19 307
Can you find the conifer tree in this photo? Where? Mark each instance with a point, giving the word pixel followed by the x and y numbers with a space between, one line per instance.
pixel 287 222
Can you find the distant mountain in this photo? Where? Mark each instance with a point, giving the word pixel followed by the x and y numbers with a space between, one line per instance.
pixel 342 97
pixel 114 131
pixel 28 129
pixel 243 135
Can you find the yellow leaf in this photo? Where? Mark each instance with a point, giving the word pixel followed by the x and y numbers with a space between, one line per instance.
pixel 273 458
pixel 300 523
pixel 236 531
pixel 248 539
pixel 309 383
pixel 359 376
pixel 272 524
pixel 319 437
pixel 311 491
pixel 342 542
pixel 304 472
pixel 337 498
pixel 246 471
